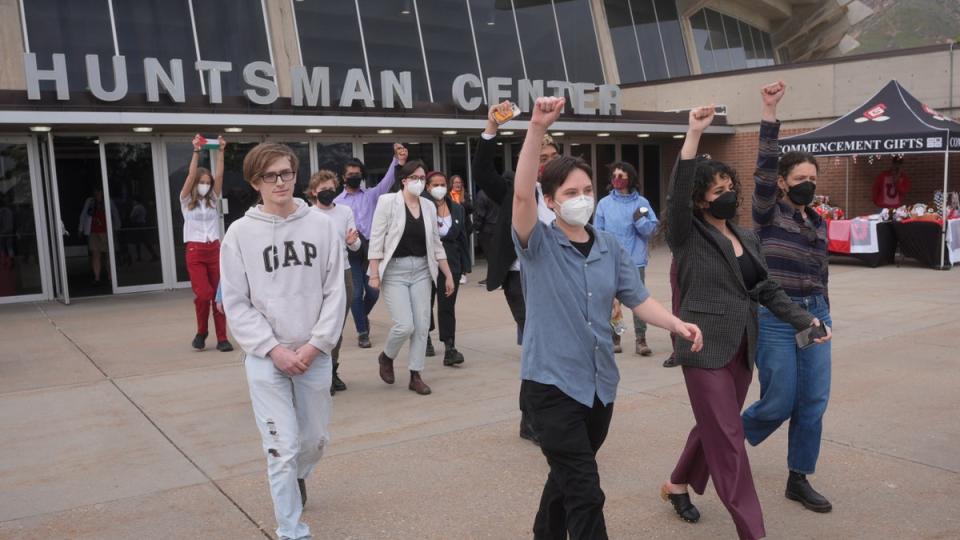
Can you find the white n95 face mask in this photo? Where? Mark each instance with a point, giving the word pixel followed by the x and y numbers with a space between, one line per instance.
pixel 414 187
pixel 203 189
pixel 438 192
pixel 576 211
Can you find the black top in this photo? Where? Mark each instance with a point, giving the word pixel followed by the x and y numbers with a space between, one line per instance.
pixel 751 276
pixel 413 243
pixel 584 247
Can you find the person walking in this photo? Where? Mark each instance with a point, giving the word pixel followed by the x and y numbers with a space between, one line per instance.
pixel 322 190
pixel 363 202
pixel 285 299
pixel 571 274
pixel 722 278
pixel 503 266
pixel 454 235
pixel 406 257
pixel 199 199
pixel 631 219
pixel 794 381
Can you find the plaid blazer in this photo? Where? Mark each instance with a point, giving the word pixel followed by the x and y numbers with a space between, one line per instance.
pixel 712 292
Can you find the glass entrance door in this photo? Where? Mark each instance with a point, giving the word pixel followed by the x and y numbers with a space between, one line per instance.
pixel 134 230
pixel 20 250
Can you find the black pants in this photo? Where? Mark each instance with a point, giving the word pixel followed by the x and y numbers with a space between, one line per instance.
pixel 513 292
pixel 570 436
pixel 446 308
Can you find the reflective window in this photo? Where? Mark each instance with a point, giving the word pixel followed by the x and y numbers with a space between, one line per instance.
pixel 330 36
pixel 738 54
pixel 232 31
pixel 541 43
pixel 393 43
pixel 238 194
pixel 654 62
pixel 606 154
pixel 725 43
pixel 334 156
pixel 19 261
pixel 622 33
pixel 178 163
pixel 448 42
pixel 378 155
pixel 496 39
pixel 673 43
pixel 579 41
pixel 72 27
pixel 156 29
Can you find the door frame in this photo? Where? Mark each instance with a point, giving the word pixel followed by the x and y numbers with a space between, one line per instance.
pixel 162 218
pixel 39 221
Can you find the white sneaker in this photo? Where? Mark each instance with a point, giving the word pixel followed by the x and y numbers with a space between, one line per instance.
pixel 463 279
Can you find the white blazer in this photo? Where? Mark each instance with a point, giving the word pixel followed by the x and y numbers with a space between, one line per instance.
pixel 389 220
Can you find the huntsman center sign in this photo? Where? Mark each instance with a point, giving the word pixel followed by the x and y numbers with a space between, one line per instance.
pixel 311 87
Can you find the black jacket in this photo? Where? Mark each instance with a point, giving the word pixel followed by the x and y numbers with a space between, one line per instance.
pixel 500 191
pixel 712 293
pixel 457 241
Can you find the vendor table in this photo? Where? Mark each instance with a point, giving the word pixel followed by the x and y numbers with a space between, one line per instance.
pixel 920 240
pixel 872 242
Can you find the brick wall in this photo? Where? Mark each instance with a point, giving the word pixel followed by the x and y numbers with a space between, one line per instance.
pixel 740 151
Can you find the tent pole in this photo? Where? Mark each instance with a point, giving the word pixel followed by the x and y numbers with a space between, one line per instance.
pixel 943 211
pixel 846 200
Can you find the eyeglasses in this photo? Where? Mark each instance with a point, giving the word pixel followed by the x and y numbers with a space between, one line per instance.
pixel 417 178
pixel 271 178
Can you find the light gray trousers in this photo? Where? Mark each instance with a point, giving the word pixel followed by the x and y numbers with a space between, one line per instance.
pixel 406 289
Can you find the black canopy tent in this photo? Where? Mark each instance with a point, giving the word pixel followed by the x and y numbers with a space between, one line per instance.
pixel 890 122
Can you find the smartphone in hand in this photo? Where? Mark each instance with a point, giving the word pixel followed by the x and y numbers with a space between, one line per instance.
pixel 805 337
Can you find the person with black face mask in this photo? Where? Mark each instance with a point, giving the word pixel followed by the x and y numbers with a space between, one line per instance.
pixel 794 382
pixel 364 202
pixel 322 191
pixel 721 277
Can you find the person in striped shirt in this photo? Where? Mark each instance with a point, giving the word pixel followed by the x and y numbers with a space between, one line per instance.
pixel 794 382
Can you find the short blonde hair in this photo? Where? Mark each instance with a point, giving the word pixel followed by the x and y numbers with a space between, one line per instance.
pixel 262 155
pixel 320 177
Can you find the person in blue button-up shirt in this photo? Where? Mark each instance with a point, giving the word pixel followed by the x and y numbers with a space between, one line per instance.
pixel 629 216
pixel 571 275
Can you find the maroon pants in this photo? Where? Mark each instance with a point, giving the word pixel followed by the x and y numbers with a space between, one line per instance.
pixel 715 446
pixel 203 265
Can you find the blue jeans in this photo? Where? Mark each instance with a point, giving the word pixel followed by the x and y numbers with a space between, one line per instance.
pixel 364 296
pixel 794 385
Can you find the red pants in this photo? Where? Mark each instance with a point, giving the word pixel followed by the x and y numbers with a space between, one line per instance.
pixel 715 447
pixel 203 265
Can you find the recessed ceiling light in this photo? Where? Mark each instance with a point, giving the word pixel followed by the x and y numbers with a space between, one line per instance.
pixel 604 134
pixel 558 134
pixel 460 143
pixel 506 133
pixel 643 135
pixel 40 129
pixel 143 129
pixel 449 132
pixel 314 130
pixel 679 136
pixel 233 129
pixel 574 144
pixel 499 144
pixel 384 131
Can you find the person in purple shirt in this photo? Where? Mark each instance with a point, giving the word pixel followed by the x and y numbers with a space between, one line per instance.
pixel 363 202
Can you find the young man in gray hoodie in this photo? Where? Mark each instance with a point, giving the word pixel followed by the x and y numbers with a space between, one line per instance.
pixel 281 269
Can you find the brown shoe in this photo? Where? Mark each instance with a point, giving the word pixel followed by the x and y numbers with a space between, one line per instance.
pixel 386 368
pixel 616 344
pixel 642 348
pixel 417 384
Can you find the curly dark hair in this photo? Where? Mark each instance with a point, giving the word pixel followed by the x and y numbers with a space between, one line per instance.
pixel 704 175
pixel 791 159
pixel 632 177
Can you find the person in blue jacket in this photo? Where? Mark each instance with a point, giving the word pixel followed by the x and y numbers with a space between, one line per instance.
pixel 630 218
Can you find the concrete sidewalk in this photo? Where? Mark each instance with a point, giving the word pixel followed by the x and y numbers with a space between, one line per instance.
pixel 112 427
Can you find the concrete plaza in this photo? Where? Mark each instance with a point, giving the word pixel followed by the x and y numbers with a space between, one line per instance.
pixel 112 427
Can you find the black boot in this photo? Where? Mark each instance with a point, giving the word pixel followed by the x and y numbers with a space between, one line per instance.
pixel 671 361
pixel 451 355
pixel 681 504
pixel 199 342
pixel 430 350
pixel 799 489
pixel 363 340
pixel 337 385
pixel 224 346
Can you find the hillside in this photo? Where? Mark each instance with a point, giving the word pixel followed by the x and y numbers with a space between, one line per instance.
pixel 901 24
